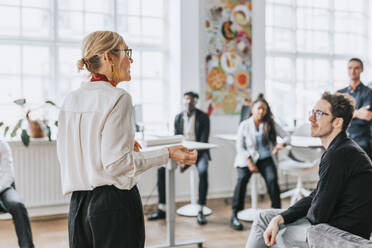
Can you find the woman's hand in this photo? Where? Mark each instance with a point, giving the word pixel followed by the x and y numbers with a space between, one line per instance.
pixel 182 155
pixel 251 166
pixel 137 146
pixel 277 148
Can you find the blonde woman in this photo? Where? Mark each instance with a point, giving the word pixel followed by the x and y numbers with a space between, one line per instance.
pixel 96 150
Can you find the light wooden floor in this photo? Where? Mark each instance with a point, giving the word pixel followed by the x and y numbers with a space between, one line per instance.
pixel 52 233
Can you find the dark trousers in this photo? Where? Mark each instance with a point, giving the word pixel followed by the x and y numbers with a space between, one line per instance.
pixel 106 217
pixel 269 172
pixel 202 166
pixel 11 202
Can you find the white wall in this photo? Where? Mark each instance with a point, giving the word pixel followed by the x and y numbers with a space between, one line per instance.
pixel 222 176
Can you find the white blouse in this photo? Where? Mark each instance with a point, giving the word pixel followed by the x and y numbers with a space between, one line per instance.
pixel 95 143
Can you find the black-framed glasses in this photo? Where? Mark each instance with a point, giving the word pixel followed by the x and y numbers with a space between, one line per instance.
pixel 127 51
pixel 317 114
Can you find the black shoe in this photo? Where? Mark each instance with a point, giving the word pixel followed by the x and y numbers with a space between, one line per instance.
pixel 158 215
pixel 235 223
pixel 201 218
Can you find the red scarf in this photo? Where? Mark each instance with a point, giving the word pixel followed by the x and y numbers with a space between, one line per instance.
pixel 101 77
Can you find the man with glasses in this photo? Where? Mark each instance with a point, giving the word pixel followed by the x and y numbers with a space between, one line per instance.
pixel 360 127
pixel 194 125
pixel 342 198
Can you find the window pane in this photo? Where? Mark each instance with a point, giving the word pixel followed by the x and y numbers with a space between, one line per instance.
pixel 106 6
pixel 36 3
pixel 130 28
pixel 312 41
pixel 283 16
pixel 33 89
pixel 10 88
pixel 35 22
pixel 152 30
pixel 135 67
pixel 152 8
pixel 340 74
pixel 312 19
pixel 36 60
pixel 346 22
pixel 12 63
pixel 94 22
pixel 9 20
pixel 68 58
pixel 152 63
pixel 153 91
pixel 129 7
pixel 70 25
pixel 280 39
pixel 313 3
pixel 70 4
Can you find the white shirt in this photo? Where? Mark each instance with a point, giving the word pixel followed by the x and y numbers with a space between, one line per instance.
pixel 189 126
pixel 6 166
pixel 96 140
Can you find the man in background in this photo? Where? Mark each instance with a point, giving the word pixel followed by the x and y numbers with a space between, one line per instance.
pixel 360 128
pixel 10 201
pixel 194 125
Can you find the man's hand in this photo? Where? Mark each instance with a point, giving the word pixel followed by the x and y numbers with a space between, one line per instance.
pixel 137 146
pixel 251 166
pixel 272 230
pixel 182 155
pixel 363 113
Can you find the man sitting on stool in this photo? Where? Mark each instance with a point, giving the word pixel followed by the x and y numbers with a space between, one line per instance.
pixel 194 125
pixel 10 201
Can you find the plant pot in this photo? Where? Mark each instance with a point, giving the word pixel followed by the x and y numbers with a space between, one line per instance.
pixel 35 128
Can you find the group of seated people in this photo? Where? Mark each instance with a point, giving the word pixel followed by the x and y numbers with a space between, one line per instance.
pixel 343 123
pixel 341 198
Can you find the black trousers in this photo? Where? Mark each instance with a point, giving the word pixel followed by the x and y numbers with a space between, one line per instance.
pixel 202 166
pixel 11 202
pixel 269 172
pixel 106 217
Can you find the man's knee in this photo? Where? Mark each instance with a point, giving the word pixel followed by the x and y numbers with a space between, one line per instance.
pixel 15 206
pixel 264 217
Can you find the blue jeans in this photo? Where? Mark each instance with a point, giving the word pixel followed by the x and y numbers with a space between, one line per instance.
pixel 202 166
pixel 11 202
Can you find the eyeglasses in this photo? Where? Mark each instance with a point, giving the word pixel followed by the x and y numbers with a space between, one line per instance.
pixel 317 114
pixel 127 51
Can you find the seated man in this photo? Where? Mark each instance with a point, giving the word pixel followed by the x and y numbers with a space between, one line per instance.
pixel 194 125
pixel 342 197
pixel 10 201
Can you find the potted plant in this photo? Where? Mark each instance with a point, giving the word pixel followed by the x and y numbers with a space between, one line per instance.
pixel 38 128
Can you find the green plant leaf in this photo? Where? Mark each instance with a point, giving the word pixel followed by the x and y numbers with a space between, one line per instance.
pixel 1 123
pixel 20 102
pixel 25 138
pixel 6 130
pixel 56 123
pixel 50 102
pixel 48 132
pixel 15 129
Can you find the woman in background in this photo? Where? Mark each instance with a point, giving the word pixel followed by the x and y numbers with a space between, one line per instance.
pixel 255 146
pixel 96 150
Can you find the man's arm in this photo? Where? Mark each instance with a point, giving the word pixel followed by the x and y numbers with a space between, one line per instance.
pixel 298 210
pixel 365 112
pixel 205 128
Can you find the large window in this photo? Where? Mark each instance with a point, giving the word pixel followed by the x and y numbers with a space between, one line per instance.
pixel 308 44
pixel 40 44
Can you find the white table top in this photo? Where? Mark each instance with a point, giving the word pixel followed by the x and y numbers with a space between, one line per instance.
pixel 185 143
pixel 298 141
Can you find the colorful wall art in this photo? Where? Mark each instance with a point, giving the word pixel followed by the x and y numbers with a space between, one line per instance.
pixel 228 59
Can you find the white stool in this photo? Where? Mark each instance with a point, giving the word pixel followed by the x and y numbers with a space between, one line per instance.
pixel 192 209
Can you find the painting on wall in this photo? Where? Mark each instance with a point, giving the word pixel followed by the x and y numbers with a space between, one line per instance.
pixel 228 58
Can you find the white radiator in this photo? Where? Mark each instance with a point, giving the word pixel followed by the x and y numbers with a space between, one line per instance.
pixel 37 177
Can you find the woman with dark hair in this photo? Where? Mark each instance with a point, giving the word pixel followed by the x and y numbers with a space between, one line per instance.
pixel 255 146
